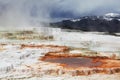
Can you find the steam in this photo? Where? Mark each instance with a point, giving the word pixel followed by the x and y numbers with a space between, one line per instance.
pixel 35 12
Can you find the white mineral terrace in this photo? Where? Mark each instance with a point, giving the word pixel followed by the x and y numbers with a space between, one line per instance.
pixel 21 59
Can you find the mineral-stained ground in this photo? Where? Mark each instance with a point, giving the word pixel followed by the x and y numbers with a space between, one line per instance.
pixel 35 55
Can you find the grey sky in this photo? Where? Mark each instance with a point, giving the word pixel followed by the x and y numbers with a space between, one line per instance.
pixel 13 12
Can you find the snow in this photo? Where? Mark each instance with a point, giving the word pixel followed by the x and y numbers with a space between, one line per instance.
pixel 112 15
pixel 108 18
pixel 75 20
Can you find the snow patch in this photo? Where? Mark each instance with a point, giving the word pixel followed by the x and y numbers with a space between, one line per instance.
pixel 112 15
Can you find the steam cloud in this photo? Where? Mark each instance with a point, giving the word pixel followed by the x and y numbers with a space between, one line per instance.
pixel 34 12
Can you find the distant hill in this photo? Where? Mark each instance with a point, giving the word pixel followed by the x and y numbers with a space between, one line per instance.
pixel 109 22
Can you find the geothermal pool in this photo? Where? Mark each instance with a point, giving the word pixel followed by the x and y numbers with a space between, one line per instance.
pixel 74 62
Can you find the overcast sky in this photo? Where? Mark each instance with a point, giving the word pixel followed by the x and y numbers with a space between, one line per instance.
pixel 13 12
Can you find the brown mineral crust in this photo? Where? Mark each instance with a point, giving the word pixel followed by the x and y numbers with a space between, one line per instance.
pixel 110 63
pixel 74 64
pixel 60 48
pixel 2 44
pixel 62 54
pixel 85 65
